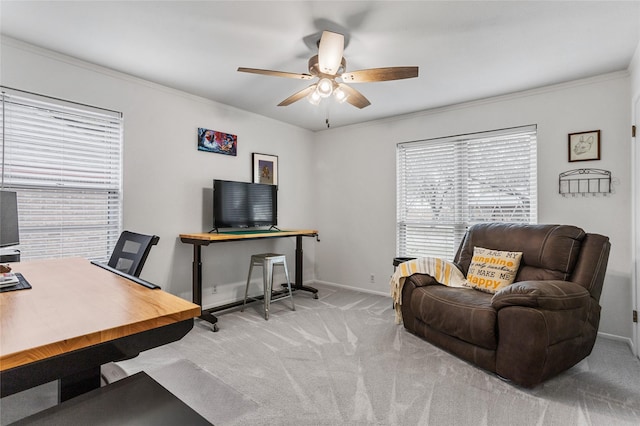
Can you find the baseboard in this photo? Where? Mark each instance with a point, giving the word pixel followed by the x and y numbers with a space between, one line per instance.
pixel 347 287
pixel 617 338
pixel 234 293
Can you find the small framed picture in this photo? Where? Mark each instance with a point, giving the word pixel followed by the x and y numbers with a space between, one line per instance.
pixel 265 168
pixel 584 146
pixel 218 142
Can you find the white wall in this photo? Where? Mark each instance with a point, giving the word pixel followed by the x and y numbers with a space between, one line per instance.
pixel 634 70
pixel 356 172
pixel 167 182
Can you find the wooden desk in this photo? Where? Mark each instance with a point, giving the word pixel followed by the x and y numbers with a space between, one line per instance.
pixel 77 317
pixel 202 239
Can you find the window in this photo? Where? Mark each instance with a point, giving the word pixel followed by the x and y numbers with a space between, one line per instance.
pixel 447 184
pixel 64 162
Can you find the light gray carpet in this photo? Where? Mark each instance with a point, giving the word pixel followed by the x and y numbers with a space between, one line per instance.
pixel 341 360
pixel 183 376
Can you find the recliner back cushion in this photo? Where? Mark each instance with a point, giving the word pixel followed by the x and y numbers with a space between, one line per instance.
pixel 549 252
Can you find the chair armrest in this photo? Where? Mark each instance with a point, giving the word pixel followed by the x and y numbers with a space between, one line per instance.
pixel 411 283
pixel 551 294
pixel 420 280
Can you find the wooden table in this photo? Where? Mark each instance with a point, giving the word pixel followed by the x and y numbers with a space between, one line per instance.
pixel 77 317
pixel 204 239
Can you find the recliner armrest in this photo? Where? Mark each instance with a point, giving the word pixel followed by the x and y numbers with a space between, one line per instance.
pixel 551 295
pixel 421 280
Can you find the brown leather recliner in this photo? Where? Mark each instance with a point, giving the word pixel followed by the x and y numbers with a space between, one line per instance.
pixel 542 324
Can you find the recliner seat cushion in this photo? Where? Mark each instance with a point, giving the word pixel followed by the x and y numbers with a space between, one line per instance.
pixel 463 313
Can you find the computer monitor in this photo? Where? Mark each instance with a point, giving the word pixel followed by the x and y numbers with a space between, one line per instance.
pixel 9 234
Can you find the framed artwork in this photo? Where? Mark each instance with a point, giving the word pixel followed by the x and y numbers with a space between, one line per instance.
pixel 218 142
pixel 584 146
pixel 265 168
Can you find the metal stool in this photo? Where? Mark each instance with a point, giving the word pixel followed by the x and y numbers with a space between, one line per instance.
pixel 268 261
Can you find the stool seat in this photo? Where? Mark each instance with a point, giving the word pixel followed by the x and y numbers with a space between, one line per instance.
pixel 269 256
pixel 268 261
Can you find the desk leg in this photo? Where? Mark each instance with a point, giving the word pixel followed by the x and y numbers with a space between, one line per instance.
pixel 298 280
pixel 197 286
pixel 79 383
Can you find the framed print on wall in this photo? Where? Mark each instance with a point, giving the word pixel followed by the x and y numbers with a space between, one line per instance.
pixel 584 146
pixel 265 168
pixel 218 142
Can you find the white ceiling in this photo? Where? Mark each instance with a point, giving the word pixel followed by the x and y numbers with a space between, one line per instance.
pixel 466 50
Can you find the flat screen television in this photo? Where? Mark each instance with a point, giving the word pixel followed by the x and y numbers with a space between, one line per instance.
pixel 244 205
pixel 9 235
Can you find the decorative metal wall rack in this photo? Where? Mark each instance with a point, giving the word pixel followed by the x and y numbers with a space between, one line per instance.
pixel 584 182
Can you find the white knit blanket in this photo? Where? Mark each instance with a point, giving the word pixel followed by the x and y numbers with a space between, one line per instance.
pixel 442 271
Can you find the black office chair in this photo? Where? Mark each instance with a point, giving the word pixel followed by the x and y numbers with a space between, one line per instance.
pixel 131 252
pixel 129 256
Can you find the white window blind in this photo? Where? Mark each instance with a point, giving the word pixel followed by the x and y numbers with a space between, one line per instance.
pixel 445 185
pixel 64 161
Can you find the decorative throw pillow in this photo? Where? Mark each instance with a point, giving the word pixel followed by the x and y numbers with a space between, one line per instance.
pixel 491 270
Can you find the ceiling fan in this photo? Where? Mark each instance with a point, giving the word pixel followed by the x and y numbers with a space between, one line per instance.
pixel 327 66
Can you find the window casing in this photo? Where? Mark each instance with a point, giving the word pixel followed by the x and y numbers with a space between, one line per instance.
pixel 64 161
pixel 445 185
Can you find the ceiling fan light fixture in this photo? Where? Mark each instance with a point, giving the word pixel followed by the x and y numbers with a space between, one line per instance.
pixel 329 67
pixel 325 87
pixel 314 97
pixel 340 95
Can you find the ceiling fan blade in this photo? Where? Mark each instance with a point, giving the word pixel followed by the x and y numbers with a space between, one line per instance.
pixel 276 73
pixel 330 52
pixel 354 97
pixel 298 95
pixel 380 74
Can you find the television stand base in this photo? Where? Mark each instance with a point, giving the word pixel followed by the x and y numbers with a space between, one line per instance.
pixel 199 240
pixel 207 314
pixel 303 288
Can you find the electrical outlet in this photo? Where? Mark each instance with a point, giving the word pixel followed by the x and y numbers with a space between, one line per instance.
pixel 372 279
pixel 215 289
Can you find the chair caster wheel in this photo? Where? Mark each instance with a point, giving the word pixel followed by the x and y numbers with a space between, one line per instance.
pixel 216 328
pixel 315 295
